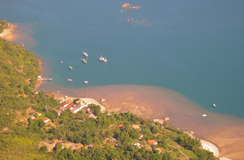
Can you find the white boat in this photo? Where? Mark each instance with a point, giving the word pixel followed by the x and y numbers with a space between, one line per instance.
pixel 84 60
pixel 101 58
pixel 204 115
pixel 104 59
pixel 70 80
pixel 70 67
pixel 86 81
pixel 214 105
pixel 85 54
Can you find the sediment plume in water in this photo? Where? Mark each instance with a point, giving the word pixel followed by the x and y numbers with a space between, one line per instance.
pixel 227 132
pixel 24 36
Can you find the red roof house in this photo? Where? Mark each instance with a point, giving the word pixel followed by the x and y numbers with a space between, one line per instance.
pixel 120 126
pixel 70 106
pixel 152 142
pixel 45 120
pixel 60 107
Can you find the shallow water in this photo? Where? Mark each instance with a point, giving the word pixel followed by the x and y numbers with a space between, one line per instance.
pixel 194 48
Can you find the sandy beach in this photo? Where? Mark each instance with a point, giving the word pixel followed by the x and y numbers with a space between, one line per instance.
pixel 210 147
pixel 86 100
pixel 223 131
pixel 8 34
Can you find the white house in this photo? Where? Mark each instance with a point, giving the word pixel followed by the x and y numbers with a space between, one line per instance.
pixel 137 144
pixel 141 136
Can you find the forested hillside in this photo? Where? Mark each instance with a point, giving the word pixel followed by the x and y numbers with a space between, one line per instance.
pixel 19 69
pixel 32 125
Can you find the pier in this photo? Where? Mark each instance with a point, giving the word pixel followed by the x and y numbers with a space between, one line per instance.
pixel 45 79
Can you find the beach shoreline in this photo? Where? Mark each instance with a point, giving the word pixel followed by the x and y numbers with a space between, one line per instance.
pixel 210 147
pixel 8 34
pixel 205 144
pixel 223 131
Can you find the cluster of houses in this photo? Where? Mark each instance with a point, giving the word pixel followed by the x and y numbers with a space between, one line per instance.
pixel 74 108
pixel 67 104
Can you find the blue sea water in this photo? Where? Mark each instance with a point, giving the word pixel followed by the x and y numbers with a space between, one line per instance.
pixel 192 47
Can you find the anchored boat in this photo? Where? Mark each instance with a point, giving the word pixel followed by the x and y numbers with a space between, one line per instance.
pixel 84 61
pixel 104 59
pixel 86 81
pixel 70 80
pixel 70 67
pixel 101 58
pixel 85 54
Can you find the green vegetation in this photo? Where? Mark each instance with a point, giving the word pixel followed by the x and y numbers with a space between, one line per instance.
pixel 17 66
pixel 3 25
pixel 108 136
pixel 19 69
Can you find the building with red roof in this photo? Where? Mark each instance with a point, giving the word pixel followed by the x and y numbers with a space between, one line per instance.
pixel 45 120
pixel 152 142
pixel 70 106
pixel 120 126
pixel 60 100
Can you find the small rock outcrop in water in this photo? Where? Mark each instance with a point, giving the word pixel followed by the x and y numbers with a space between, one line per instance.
pixel 125 5
pixel 21 45
pixel 136 7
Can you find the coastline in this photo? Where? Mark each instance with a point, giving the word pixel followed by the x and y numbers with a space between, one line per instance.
pixel 8 34
pixel 205 144
pixel 39 82
pixel 224 131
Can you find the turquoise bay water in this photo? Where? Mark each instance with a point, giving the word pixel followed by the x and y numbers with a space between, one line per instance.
pixel 192 47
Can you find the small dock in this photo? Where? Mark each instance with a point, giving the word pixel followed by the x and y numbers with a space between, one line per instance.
pixel 46 79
